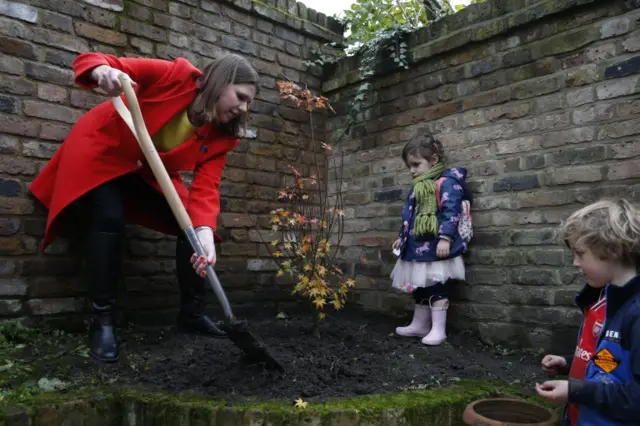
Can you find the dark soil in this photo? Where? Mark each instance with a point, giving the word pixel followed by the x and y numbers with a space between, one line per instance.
pixel 357 353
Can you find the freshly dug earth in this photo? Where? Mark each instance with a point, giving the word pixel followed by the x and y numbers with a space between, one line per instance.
pixel 357 353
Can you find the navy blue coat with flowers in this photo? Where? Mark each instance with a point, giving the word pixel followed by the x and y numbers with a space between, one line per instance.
pixel 423 248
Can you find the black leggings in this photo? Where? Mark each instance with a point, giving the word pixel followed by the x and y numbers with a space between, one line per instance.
pixel 105 203
pixel 435 292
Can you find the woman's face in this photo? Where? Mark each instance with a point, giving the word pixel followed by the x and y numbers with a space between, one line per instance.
pixel 234 101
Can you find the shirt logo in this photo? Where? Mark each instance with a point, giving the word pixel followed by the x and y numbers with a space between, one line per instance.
pixel 613 336
pixel 597 327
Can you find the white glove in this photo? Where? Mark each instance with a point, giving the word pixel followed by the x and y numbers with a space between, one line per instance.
pixel 205 236
pixel 107 79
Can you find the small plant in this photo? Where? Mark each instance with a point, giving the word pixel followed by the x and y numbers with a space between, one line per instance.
pixel 306 230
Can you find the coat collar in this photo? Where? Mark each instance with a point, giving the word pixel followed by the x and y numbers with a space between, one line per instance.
pixel 616 296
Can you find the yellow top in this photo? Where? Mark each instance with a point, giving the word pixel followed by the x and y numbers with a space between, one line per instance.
pixel 175 132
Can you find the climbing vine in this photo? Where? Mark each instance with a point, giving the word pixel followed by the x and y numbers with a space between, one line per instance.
pixel 373 27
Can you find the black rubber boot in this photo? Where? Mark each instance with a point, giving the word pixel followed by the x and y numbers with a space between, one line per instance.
pixel 104 265
pixel 192 318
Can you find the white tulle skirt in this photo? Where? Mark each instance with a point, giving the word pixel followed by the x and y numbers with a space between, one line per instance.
pixel 408 275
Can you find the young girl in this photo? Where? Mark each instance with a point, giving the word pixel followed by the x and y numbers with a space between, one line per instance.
pixel 194 118
pixel 429 246
pixel 604 372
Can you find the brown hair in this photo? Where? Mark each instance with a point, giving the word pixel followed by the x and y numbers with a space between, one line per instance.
pixel 425 145
pixel 227 69
pixel 606 228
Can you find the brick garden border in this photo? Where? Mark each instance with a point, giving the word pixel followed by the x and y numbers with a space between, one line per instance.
pixel 437 407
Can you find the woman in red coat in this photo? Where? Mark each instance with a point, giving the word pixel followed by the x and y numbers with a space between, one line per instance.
pixel 194 118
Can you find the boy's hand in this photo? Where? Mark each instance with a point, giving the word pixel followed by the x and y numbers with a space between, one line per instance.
pixel 442 249
pixel 556 391
pixel 396 244
pixel 552 363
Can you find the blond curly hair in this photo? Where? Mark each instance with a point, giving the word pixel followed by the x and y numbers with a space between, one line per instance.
pixel 610 229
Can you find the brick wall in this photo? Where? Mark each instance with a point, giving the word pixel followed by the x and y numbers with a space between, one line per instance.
pixel 39 39
pixel 539 100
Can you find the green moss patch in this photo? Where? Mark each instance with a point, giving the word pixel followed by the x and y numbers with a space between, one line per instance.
pixel 437 407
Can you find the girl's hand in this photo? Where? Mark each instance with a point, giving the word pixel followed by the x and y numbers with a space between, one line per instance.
pixel 396 244
pixel 442 249
pixel 107 79
pixel 556 391
pixel 552 363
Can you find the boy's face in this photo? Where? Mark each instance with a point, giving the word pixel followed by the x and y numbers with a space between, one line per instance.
pixel 598 272
pixel 419 165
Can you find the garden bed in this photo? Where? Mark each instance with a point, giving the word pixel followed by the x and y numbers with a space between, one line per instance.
pixel 356 354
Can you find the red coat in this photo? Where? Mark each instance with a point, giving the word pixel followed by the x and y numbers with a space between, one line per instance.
pixel 101 147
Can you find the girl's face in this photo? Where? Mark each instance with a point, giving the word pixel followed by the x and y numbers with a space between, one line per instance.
pixel 598 272
pixel 419 165
pixel 234 101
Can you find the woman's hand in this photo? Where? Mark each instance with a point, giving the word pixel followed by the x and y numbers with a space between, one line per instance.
pixel 552 363
pixel 442 249
pixel 107 79
pixel 199 263
pixel 396 244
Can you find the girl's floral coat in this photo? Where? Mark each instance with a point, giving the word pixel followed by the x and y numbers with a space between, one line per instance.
pixel 423 249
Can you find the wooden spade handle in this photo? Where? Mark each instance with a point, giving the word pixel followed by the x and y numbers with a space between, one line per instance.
pixel 133 117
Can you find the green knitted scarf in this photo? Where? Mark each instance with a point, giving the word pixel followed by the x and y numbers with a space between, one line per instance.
pixel 424 188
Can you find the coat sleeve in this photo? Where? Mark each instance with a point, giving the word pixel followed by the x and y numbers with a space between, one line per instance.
pixel 203 205
pixel 451 193
pixel 617 401
pixel 143 71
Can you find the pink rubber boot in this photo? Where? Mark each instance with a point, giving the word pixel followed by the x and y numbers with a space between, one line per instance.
pixel 437 335
pixel 420 325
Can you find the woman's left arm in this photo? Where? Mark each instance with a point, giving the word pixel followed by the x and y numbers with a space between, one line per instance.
pixel 451 195
pixel 204 194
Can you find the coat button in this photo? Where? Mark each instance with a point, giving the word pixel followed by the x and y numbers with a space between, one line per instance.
pixel 139 163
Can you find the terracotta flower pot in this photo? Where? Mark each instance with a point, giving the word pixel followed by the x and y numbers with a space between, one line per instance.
pixel 508 412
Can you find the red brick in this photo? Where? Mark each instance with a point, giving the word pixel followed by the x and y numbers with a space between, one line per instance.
pixel 85 99
pixel 59 41
pixel 55 287
pixel 15 47
pixel 57 21
pixel 39 149
pixel 51 112
pixel 624 170
pixel 54 131
pixel 15 205
pixel 10 246
pixel 9 226
pixel 18 125
pixel 52 93
pixel 49 74
pixel 17 166
pixel 100 17
pixel 100 34
pixel 373 241
pixel 143 30
pixel 8 145
pixel 55 306
pixel 11 65
pixel 17 86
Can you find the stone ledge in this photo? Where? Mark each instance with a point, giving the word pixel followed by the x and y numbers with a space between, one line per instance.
pixel 294 15
pixel 477 22
pixel 439 407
